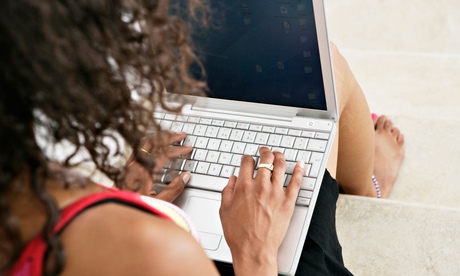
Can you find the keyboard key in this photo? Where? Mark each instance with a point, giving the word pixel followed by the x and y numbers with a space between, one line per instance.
pixel 261 138
pixel 188 128
pixel 226 146
pixel 171 117
pixel 205 121
pixel 295 132
pixel 304 193
pixel 287 141
pixel 255 127
pixel 165 124
pixel 218 122
pixel 199 130
pixel 236 134
pixel 308 183
pixel 322 135
pixel 212 156
pixel 227 171
pixel 308 134
pixel 315 161
pixel 189 141
pixel 236 160
pixel 303 201
pixel 168 164
pixel 242 125
pixel 238 147
pixel 199 154
pixel 214 169
pixel 187 156
pixel 211 131
pixel 160 176
pixel 274 140
pixel 300 143
pixel 290 167
pixel 268 129
pixel 281 130
pixel 225 158
pixel 303 155
pixel 251 149
pixel 177 164
pixel 201 142
pixel 202 167
pixel 230 124
pixel 169 176
pixel 207 182
pixel 177 126
pixel 317 145
pixel 213 144
pixel 195 120
pixel 249 136
pixel 224 133
pixel 290 154
pixel 181 118
pixel 190 165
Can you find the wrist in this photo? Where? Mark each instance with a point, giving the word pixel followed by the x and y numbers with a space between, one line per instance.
pixel 253 262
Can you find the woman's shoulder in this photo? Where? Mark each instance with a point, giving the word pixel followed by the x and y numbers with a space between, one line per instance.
pixel 119 239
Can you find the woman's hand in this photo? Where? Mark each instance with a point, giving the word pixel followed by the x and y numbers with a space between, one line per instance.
pixel 136 173
pixel 255 212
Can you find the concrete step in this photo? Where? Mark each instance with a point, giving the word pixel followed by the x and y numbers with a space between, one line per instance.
pixel 387 237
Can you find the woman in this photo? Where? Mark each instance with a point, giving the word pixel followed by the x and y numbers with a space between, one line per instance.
pixel 68 70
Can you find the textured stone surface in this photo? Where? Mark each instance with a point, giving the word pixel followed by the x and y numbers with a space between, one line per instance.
pixel 385 237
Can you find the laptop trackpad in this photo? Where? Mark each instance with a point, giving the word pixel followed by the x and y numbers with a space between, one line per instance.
pixel 204 213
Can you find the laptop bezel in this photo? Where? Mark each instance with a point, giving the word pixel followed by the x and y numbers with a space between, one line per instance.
pixel 237 107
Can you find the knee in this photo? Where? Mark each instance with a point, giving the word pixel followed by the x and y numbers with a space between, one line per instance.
pixel 337 57
pixel 333 47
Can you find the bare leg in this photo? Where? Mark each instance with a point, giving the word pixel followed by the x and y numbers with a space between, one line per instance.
pixel 354 152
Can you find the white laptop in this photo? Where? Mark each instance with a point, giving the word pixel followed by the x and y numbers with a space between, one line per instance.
pixel 269 72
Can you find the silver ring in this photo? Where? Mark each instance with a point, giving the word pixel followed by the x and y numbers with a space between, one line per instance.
pixel 266 166
pixel 148 153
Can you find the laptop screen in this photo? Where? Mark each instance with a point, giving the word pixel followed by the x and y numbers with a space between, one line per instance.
pixel 262 52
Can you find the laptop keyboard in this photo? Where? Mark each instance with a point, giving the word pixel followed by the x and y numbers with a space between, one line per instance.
pixel 218 146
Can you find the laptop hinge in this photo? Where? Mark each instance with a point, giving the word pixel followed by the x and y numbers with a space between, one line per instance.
pixel 287 117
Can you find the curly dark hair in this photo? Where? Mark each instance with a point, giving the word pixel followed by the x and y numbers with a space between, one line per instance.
pixel 83 72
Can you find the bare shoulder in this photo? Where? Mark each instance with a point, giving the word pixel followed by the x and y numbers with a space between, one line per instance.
pixel 113 239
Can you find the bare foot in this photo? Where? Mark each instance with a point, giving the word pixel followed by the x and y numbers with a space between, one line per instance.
pixel 389 154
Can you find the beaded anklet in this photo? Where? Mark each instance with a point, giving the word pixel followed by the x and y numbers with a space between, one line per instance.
pixel 376 184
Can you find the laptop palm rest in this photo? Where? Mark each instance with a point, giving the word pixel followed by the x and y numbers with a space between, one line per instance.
pixel 204 212
pixel 203 209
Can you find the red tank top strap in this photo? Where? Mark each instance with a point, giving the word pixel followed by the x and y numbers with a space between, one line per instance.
pixel 133 199
pixel 31 260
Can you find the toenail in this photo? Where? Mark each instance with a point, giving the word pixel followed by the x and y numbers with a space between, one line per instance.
pixel 374 116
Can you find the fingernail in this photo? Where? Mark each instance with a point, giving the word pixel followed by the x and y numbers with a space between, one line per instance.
pixel 374 116
pixel 186 177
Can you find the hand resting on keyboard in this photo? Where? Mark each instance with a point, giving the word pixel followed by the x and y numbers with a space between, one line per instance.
pixel 135 173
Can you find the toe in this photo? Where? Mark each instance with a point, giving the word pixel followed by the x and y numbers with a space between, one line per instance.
pixel 400 139
pixel 374 118
pixel 388 125
pixel 380 122
pixel 395 132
